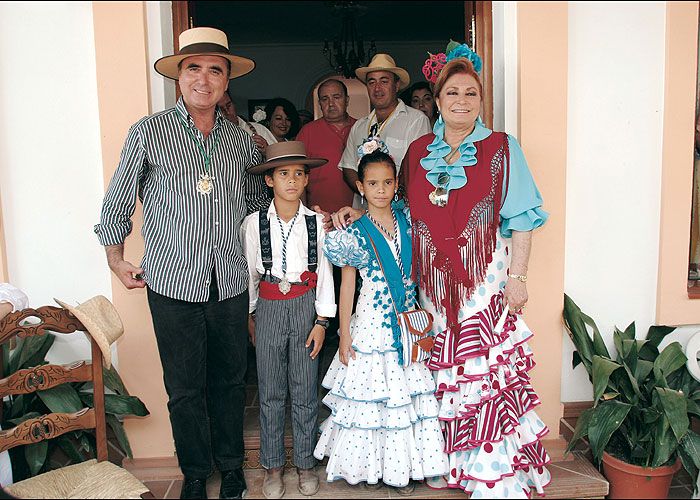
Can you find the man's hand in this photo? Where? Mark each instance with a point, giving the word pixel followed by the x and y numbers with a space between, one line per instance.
pixel 317 335
pixel 260 143
pixel 127 274
pixel 251 329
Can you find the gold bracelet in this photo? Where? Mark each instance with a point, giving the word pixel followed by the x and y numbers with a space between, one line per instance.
pixel 520 277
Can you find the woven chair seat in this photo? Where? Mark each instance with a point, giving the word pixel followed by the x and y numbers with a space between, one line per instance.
pixel 89 479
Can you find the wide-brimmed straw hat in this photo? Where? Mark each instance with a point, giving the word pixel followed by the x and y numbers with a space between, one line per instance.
pixel 102 322
pixel 203 42
pixel 286 153
pixel 384 62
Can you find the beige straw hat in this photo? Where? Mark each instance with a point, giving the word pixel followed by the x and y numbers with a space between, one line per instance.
pixel 384 62
pixel 102 322
pixel 286 153
pixel 203 42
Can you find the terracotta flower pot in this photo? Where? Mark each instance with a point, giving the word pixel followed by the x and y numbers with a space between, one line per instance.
pixel 633 481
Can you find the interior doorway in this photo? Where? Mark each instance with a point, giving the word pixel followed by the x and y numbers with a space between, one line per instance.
pixel 286 39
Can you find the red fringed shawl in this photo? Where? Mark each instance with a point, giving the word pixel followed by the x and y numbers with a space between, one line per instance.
pixel 453 245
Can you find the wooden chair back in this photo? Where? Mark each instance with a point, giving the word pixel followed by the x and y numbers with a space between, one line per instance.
pixel 25 381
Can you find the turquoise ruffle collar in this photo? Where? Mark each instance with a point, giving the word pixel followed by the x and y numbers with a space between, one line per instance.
pixel 435 163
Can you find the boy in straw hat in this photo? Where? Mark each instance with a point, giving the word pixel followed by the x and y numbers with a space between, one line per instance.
pixel 291 297
pixel 188 165
pixel 391 120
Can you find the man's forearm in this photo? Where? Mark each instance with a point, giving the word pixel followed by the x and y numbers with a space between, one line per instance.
pixel 350 176
pixel 115 254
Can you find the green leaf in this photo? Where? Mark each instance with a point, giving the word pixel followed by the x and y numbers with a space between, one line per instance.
pixel 5 358
pixel 599 346
pixel 32 346
pixel 16 354
pixel 576 328
pixel 676 410
pixel 665 443
pixel 602 369
pixel 688 465
pixel 648 352
pixel 35 454
pixel 691 445
pixel 581 430
pixel 575 360
pixel 693 407
pixel 61 399
pixel 113 381
pixel 629 332
pixel 657 333
pixel 451 46
pixel 606 419
pixel 643 370
pixel 670 359
pixel 119 405
pixel 39 357
pixel 26 416
pixel 69 448
pixel 617 340
pixel 119 432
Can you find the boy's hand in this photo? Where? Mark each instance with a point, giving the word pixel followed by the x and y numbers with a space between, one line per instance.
pixel 345 350
pixel 251 329
pixel 317 335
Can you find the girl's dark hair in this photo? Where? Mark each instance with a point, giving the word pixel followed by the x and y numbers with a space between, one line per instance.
pixel 374 157
pixel 289 110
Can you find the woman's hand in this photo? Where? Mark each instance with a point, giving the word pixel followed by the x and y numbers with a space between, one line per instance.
pixel 516 295
pixel 345 350
pixel 346 216
pixel 317 336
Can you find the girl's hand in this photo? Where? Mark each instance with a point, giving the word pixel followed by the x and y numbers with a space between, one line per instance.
pixel 345 350
pixel 317 335
pixel 516 295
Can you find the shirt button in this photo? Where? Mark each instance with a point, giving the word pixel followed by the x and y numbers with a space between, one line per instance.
pixel 217 223
pixel 216 200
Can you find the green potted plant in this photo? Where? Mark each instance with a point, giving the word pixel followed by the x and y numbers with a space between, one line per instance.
pixel 644 401
pixel 30 460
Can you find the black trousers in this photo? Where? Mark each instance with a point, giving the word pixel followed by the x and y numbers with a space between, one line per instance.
pixel 202 348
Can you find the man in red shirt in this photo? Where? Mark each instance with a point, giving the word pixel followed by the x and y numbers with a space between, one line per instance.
pixel 326 138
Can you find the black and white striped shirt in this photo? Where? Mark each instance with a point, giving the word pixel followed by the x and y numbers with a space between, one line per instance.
pixel 186 233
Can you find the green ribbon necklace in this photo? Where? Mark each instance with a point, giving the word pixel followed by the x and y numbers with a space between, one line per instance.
pixel 204 184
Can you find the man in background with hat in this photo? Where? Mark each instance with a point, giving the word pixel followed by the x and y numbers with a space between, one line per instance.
pixel 391 120
pixel 188 166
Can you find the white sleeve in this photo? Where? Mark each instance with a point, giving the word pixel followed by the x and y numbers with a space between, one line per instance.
pixel 417 129
pixel 325 292
pixel 250 239
pixel 350 158
pixel 14 296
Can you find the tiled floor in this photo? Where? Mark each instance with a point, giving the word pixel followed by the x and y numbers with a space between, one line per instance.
pixel 570 479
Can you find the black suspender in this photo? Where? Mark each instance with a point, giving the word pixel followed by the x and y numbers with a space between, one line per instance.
pixel 266 243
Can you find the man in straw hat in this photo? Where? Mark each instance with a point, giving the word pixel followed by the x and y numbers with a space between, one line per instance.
pixel 395 123
pixel 188 165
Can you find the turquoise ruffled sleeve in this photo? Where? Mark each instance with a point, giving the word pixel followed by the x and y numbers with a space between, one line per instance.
pixel 521 209
pixel 343 248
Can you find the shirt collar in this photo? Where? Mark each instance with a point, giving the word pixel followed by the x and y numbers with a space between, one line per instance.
pixel 272 211
pixel 182 111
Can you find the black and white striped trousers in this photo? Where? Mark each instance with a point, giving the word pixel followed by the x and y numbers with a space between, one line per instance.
pixel 283 361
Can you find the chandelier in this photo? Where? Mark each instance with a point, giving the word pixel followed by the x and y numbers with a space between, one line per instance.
pixel 347 52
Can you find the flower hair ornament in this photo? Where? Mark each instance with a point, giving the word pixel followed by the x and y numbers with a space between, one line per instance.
pixel 435 62
pixel 370 145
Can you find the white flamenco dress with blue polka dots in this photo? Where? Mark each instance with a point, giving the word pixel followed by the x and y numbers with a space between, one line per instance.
pixel 384 422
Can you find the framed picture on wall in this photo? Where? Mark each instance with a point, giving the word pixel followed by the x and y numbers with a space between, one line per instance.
pixel 255 105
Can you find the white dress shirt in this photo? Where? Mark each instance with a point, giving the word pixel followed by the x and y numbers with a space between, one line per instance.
pixel 297 256
pixel 260 129
pixel 404 126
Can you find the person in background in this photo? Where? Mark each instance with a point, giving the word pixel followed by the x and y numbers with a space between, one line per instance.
pixel 326 138
pixel 188 165
pixel 259 132
pixel 282 119
pixel 420 96
pixel 396 124
pixel 305 116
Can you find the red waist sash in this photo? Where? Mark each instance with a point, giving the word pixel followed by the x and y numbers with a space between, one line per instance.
pixel 271 291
